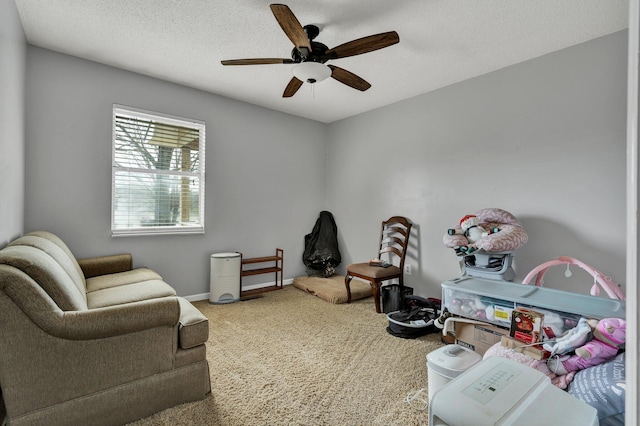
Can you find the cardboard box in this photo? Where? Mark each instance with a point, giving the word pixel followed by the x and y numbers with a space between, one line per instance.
pixel 479 337
pixel 535 352
pixel 526 325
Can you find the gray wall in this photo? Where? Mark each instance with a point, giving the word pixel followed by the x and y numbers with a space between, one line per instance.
pixel 12 122
pixel 265 170
pixel 544 139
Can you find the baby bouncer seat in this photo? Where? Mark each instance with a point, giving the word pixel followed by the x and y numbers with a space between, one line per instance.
pixel 485 243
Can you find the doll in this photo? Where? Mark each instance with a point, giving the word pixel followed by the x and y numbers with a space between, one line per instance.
pixel 609 335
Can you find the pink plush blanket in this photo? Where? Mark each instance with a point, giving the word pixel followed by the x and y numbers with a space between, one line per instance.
pixel 510 236
pixel 561 381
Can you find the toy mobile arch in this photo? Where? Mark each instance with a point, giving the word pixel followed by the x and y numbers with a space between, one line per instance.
pixel 600 280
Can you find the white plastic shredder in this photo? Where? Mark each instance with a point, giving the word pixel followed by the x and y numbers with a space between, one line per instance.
pixel 500 391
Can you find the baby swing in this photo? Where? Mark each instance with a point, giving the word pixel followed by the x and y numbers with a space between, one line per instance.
pixel 485 243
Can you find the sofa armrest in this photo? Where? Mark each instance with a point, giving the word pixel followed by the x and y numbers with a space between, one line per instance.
pixel 103 265
pixel 118 320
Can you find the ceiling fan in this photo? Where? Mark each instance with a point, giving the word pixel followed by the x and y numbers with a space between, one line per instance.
pixel 311 55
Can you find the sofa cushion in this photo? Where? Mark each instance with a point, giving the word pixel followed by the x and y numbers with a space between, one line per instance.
pixel 194 326
pixel 48 273
pixel 102 282
pixel 127 293
pixel 60 254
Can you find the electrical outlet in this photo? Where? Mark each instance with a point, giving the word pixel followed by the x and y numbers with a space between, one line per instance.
pixel 407 269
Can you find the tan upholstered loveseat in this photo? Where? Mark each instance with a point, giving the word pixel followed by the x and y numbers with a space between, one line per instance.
pixel 93 341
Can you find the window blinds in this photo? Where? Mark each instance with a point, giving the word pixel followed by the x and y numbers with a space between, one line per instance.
pixel 158 173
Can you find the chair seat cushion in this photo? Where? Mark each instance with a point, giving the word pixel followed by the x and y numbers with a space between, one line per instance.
pixel 374 272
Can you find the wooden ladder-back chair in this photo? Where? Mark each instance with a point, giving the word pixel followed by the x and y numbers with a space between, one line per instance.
pixel 394 242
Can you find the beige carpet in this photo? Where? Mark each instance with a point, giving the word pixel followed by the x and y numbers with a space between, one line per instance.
pixel 289 358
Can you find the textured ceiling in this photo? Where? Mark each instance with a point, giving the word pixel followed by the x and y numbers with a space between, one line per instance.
pixel 441 42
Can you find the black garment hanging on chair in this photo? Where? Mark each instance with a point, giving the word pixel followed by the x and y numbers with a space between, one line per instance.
pixel 321 254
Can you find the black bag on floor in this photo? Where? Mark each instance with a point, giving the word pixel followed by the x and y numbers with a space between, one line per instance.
pixel 415 320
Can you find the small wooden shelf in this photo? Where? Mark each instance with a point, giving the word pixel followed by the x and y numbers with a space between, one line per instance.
pixel 259 271
pixel 276 268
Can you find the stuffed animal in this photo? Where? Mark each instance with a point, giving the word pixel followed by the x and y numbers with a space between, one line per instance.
pixel 470 227
pixel 609 335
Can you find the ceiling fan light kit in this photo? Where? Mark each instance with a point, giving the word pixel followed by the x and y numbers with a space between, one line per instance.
pixel 311 55
pixel 311 72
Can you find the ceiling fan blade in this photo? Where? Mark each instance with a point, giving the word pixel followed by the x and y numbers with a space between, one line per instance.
pixel 349 78
pixel 292 88
pixel 256 61
pixel 364 45
pixel 292 28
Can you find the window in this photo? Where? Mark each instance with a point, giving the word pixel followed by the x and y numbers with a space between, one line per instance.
pixel 158 174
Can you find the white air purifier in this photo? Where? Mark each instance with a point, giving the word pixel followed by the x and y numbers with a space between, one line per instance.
pixel 500 391
pixel 447 363
pixel 225 278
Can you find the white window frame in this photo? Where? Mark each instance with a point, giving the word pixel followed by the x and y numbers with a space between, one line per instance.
pixel 180 228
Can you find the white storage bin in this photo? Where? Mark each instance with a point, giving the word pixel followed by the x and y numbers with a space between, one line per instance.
pixel 493 301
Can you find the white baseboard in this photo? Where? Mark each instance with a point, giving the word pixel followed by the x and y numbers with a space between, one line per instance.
pixel 205 296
